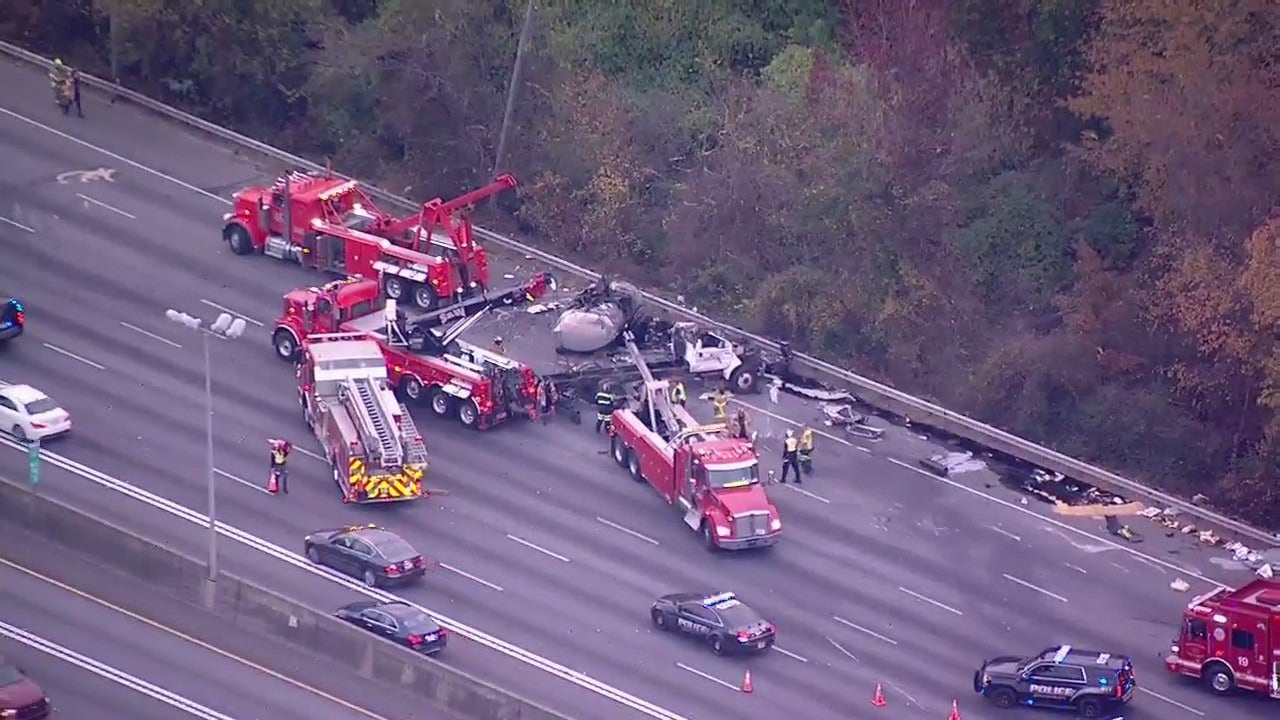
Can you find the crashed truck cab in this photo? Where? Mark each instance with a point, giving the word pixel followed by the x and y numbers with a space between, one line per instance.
pixel 321 309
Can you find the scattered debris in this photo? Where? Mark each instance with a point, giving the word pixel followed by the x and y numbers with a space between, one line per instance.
pixel 1119 529
pixel 952 463
pixel 1266 572
pixel 1180 585
pixel 854 423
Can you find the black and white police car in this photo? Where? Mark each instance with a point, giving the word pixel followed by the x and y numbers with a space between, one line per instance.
pixel 1094 684
pixel 721 620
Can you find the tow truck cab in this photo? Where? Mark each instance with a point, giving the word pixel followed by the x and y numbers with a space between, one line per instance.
pixel 322 310
pixel 1230 639
pixel 257 219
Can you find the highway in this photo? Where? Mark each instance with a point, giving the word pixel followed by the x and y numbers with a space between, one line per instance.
pixel 102 646
pixel 885 574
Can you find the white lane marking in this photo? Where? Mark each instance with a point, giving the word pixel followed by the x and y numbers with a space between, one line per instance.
pixel 844 652
pixel 861 629
pixel 242 481
pixel 101 204
pixel 629 531
pixel 1031 586
pixel 226 309
pixel 151 335
pixel 790 654
pixel 15 223
pixel 1119 567
pixel 806 493
pixel 292 558
pixel 931 601
pixel 70 354
pixel 910 699
pixel 1060 525
pixel 863 449
pixel 114 156
pixel 542 550
pixel 791 422
pixel 310 454
pixel 470 577
pixel 113 674
pixel 1077 568
pixel 708 676
pixel 1170 700
pixel 1006 533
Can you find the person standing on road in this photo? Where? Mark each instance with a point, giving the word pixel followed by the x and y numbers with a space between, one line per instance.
pixel 720 404
pixel 678 396
pixel 605 401
pixel 805 448
pixel 790 457
pixel 741 425
pixel 280 450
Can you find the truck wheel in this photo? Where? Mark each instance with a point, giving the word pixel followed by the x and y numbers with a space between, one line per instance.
pixel 411 387
pixel 633 467
pixel 425 297
pixel 393 287
pixel 441 403
pixel 743 380
pixel 1089 708
pixel 469 413
pixel 709 537
pixel 1219 679
pixel 237 239
pixel 1003 697
pixel 285 344
pixel 619 451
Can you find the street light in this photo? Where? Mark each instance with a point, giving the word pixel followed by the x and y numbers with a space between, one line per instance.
pixel 227 328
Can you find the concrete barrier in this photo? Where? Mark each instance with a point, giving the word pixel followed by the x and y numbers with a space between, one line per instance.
pixel 260 611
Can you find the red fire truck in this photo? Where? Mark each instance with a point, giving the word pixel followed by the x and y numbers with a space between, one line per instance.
pixel 711 478
pixel 430 258
pixel 369 439
pixel 1231 639
pixel 481 388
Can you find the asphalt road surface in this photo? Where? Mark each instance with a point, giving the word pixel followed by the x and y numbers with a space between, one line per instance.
pixel 102 645
pixel 885 574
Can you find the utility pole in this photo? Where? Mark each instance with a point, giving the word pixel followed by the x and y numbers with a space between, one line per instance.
pixel 113 32
pixel 513 90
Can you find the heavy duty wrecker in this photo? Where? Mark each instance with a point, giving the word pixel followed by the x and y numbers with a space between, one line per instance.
pixel 481 387
pixel 1231 639
pixel 429 258
pixel 712 479
pixel 369 439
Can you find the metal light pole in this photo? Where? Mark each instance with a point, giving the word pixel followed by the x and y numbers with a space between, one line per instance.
pixel 227 328
pixel 513 89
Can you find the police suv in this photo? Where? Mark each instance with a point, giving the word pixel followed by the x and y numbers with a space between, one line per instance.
pixel 720 620
pixel 1063 678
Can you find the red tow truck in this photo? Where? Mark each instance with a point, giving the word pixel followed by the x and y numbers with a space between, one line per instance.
pixel 1231 639
pixel 711 478
pixel 480 387
pixel 430 258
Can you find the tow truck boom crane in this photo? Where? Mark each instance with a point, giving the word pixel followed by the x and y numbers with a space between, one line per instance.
pixel 417 334
pixel 441 213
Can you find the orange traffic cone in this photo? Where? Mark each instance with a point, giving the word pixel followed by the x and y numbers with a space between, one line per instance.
pixel 955 711
pixel 877 698
pixel 746 682
pixel 273 486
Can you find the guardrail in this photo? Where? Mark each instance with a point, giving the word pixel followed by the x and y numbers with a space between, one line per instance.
pixel 875 393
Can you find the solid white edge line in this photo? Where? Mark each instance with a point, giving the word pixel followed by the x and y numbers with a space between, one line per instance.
pixel 708 676
pixel 931 601
pixel 231 312
pixel 101 204
pixel 1033 586
pixel 542 550
pixel 1170 700
pixel 73 356
pixel 861 629
pixel 470 577
pixel 150 334
pixel 629 531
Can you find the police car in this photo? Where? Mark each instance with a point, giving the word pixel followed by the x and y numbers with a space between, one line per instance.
pixel 721 620
pixel 378 557
pixel 1094 684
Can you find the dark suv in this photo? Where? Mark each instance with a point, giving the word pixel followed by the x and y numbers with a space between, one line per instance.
pixel 1063 678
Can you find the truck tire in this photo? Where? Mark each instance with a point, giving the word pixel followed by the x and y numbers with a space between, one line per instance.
pixel 441 402
pixel 633 467
pixel 237 239
pixel 394 287
pixel 1219 679
pixel 425 297
pixel 1003 697
pixel 709 537
pixel 411 387
pixel 1089 708
pixel 285 343
pixel 619 451
pixel 744 380
pixel 469 413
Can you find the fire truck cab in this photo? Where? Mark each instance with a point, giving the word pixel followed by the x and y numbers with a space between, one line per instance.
pixel 369 439
pixel 1231 639
pixel 711 478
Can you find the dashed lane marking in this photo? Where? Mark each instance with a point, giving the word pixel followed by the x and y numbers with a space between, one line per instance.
pixel 1033 586
pixel 790 654
pixel 628 531
pixel 105 206
pixel 1006 533
pixel 861 629
pixel 73 356
pixel 226 309
pixel 15 223
pixel 150 334
pixel 1077 568
pixel 708 676
pixel 540 549
pixel 806 493
pixel 842 650
pixel 1171 701
pixel 242 481
pixel 931 601
pixel 471 577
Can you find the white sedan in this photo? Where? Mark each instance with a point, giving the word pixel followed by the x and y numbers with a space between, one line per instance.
pixel 28 414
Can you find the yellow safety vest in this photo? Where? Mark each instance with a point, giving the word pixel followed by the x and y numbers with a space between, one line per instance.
pixel 677 393
pixel 278 457
pixel 719 402
pixel 791 445
pixel 806 440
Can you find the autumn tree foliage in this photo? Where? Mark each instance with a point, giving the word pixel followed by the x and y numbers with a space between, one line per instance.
pixel 1062 217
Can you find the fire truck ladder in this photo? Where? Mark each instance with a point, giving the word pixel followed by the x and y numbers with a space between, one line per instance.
pixel 375 427
pixel 415 448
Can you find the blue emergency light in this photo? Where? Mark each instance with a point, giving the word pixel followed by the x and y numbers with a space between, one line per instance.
pixel 715 600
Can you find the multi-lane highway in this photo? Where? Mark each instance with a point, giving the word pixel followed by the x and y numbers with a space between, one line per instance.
pixel 885 574
pixel 65 623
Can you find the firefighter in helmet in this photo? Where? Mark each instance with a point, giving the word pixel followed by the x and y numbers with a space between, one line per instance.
pixel 790 457
pixel 741 425
pixel 678 396
pixel 720 404
pixel 605 402
pixel 280 450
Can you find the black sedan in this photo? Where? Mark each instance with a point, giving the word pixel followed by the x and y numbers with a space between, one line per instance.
pixel 378 557
pixel 13 317
pixel 721 620
pixel 398 622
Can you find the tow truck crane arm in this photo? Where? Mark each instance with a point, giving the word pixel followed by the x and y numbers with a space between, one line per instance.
pixel 440 213
pixel 418 330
